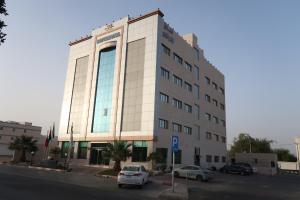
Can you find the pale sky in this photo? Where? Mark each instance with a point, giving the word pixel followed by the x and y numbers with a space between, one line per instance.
pixel 254 43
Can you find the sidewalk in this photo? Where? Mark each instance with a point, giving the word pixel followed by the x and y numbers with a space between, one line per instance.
pixel 180 189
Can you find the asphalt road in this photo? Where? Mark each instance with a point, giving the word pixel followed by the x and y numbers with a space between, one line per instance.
pixel 15 186
pixel 254 187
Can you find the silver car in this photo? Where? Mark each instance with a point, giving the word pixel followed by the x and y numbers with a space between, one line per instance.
pixel 193 172
pixel 133 175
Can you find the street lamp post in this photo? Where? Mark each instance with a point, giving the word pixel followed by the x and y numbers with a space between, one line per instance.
pixel 66 154
pixel 32 154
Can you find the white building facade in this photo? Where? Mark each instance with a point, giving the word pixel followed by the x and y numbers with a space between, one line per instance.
pixel 138 80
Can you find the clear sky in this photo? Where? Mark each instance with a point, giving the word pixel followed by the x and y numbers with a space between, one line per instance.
pixel 254 43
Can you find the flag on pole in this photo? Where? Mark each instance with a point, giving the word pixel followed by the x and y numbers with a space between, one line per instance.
pixel 50 135
pixel 53 130
pixel 47 141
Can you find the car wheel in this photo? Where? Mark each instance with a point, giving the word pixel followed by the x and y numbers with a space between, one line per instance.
pixel 176 174
pixel 242 173
pixel 119 185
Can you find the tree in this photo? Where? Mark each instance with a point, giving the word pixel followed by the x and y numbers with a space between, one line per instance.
pixel 245 143
pixel 285 155
pixel 2 24
pixel 157 158
pixel 24 144
pixel 117 151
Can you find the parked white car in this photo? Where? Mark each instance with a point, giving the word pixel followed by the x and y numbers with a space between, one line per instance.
pixel 133 175
pixel 194 172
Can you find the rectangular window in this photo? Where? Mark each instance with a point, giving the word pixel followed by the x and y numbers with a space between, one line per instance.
pixel 177 157
pixel 215 102
pixel 208 158
pixel 208 116
pixel 164 73
pixel 188 86
pixel 164 154
pixel 177 80
pixel 215 85
pixel 188 66
pixel 216 137
pixel 208 136
pixel 187 130
pixel 223 139
pixel 222 106
pixel 188 108
pixel 166 50
pixel 223 123
pixel 177 127
pixel 164 98
pixel 216 159
pixel 177 58
pixel 207 80
pixel 82 150
pixel 216 120
pixel 223 159
pixel 139 151
pixel 207 98
pixel 197 91
pixel 65 149
pixel 177 103
pixel 196 72
pixel 197 111
pixel 163 124
pixel 221 90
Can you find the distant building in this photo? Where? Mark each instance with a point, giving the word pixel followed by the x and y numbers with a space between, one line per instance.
pixel 138 80
pixel 265 163
pixel 9 130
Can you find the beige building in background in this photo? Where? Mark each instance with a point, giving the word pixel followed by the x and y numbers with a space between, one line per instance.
pixel 138 80
pixel 9 130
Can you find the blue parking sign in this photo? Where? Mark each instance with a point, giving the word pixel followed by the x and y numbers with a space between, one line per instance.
pixel 175 143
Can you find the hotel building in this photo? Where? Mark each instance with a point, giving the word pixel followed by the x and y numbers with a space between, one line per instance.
pixel 138 80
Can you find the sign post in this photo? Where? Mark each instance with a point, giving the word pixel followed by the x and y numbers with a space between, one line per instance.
pixel 174 149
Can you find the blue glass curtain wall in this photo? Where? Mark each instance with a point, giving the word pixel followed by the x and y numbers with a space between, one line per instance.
pixel 104 87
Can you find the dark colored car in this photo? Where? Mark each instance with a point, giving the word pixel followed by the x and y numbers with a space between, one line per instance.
pixel 235 169
pixel 246 165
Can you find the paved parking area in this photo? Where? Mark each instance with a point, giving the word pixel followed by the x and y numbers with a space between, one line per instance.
pixel 21 182
pixel 254 187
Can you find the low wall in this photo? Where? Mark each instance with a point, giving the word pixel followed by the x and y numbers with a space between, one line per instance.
pixel 288 165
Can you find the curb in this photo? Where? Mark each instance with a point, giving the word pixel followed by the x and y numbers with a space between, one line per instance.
pixel 38 168
pixel 46 169
pixel 107 176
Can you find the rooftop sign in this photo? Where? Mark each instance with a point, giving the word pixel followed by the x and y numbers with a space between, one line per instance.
pixel 109 37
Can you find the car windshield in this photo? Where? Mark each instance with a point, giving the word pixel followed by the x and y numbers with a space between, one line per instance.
pixel 131 169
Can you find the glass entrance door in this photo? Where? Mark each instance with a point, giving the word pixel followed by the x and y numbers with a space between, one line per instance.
pixel 96 157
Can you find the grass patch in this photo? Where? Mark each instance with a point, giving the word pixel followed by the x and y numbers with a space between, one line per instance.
pixel 109 172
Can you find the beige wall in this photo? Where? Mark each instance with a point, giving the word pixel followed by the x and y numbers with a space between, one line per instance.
pixel 184 47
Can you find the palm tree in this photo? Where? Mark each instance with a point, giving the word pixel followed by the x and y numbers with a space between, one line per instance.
pixel 25 144
pixel 156 158
pixel 117 151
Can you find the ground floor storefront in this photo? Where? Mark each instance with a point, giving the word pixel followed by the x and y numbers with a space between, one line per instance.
pixel 92 153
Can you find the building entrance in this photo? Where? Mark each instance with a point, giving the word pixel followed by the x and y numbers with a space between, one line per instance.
pixel 96 157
